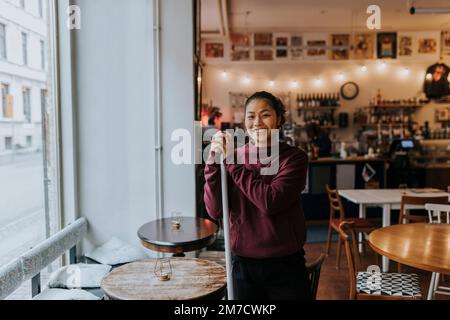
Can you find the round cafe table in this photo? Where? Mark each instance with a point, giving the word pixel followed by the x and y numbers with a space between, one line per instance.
pixel 420 245
pixel 191 279
pixel 193 234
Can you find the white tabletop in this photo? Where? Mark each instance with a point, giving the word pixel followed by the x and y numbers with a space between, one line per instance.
pixel 386 196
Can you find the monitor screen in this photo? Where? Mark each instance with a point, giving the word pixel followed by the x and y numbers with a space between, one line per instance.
pixel 407 144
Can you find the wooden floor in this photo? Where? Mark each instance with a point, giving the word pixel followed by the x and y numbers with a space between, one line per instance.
pixel 333 283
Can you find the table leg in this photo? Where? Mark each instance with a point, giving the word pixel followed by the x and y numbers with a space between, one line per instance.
pixel 386 223
pixel 362 214
pixel 432 286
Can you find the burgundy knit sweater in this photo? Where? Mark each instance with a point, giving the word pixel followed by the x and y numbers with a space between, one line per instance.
pixel 266 214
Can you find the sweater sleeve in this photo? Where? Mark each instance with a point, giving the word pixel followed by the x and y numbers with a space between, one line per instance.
pixel 275 196
pixel 212 191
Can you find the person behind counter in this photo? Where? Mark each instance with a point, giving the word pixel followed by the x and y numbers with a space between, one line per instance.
pixel 267 224
pixel 319 139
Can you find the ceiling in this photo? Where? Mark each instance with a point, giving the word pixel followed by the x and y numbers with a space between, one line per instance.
pixel 316 15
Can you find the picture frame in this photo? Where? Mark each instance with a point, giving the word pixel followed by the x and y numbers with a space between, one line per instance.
pixel 316 46
pixel 428 44
pixel 263 39
pixel 343 41
pixel 282 41
pixel 445 44
pixel 363 46
pixel 264 54
pixel 387 45
pixel 240 47
pixel 407 45
pixel 296 42
pixel 214 50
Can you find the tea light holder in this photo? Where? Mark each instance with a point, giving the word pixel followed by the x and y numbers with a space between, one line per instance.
pixel 176 220
pixel 163 269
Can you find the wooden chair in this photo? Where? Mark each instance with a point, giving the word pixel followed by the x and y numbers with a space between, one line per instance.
pixel 375 285
pixel 417 201
pixel 314 274
pixel 437 213
pixel 405 217
pixel 337 215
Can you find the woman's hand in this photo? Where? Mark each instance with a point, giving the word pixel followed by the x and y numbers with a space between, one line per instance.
pixel 222 143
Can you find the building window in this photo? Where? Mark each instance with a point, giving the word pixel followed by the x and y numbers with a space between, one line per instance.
pixel 2 41
pixel 24 48
pixel 22 3
pixel 5 107
pixel 8 143
pixel 26 104
pixel 41 8
pixel 42 55
pixel 29 141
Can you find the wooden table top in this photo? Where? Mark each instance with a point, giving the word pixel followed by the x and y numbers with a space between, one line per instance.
pixel 194 234
pixel 191 279
pixel 420 245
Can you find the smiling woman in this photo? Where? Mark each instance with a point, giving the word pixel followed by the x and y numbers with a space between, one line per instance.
pixel 267 225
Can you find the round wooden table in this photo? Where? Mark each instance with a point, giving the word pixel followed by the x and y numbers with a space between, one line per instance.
pixel 191 279
pixel 194 234
pixel 420 245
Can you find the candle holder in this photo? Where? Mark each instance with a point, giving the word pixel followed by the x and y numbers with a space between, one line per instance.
pixel 176 219
pixel 163 269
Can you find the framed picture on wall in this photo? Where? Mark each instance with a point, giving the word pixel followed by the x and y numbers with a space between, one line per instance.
pixel 316 46
pixel 282 46
pixel 428 44
pixel 363 46
pixel 387 45
pixel 263 39
pixel 263 54
pixel 214 50
pixel 341 44
pixel 240 47
pixel 407 43
pixel 296 46
pixel 445 44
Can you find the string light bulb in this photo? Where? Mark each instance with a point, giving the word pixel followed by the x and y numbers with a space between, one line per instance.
pixel 294 84
pixel 429 76
pixel 271 83
pixel 364 68
pixel 224 74
pixel 340 76
pixel 318 82
pixel 246 80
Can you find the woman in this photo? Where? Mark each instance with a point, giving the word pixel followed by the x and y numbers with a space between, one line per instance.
pixel 267 225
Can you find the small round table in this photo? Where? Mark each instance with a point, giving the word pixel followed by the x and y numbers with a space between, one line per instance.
pixel 420 245
pixel 194 234
pixel 191 279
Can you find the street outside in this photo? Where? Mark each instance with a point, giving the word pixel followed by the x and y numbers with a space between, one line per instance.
pixel 22 216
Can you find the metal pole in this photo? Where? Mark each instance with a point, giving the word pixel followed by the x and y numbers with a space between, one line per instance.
pixel 226 228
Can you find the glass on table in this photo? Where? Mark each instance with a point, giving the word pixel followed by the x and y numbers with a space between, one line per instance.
pixel 176 219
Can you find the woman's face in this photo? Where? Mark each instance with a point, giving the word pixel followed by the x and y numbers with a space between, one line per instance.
pixel 260 120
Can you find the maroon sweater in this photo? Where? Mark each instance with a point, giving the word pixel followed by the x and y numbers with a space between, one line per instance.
pixel 266 214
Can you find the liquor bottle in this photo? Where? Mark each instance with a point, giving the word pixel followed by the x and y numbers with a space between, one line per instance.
pixel 338 100
pixel 301 103
pixel 378 98
pixel 298 101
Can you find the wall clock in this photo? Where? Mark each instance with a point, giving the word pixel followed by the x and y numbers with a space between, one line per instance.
pixel 349 90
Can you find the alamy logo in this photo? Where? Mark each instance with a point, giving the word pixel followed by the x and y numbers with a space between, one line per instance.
pixel 374 281
pixel 374 20
pixel 74 19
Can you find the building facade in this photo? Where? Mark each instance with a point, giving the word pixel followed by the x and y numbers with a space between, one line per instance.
pixel 23 74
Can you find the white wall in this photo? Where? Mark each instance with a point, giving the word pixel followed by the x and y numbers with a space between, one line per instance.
pixel 114 81
pixel 114 78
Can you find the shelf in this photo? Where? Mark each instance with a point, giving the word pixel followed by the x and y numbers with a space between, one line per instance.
pixel 318 109
pixel 396 106
pixel 395 124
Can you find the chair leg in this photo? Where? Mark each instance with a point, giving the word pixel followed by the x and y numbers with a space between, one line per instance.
pixel 338 257
pixel 431 289
pixel 329 239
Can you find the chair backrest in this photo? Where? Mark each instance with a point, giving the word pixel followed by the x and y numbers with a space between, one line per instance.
pixel 437 211
pixel 417 201
pixel 314 274
pixel 336 207
pixel 348 234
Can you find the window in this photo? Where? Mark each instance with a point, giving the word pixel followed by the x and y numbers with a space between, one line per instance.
pixel 8 143
pixel 5 107
pixel 26 104
pixel 29 141
pixel 29 197
pixel 42 55
pixel 2 41
pixel 22 3
pixel 24 48
pixel 41 8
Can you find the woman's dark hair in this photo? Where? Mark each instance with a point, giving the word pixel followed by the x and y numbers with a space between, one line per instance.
pixel 274 102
